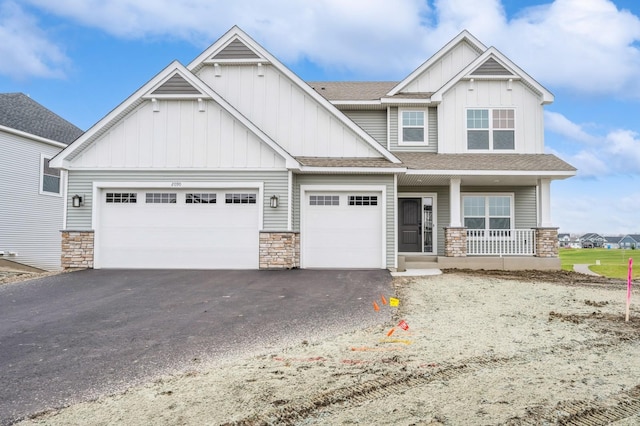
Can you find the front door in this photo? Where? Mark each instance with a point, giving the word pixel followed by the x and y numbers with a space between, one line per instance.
pixel 410 224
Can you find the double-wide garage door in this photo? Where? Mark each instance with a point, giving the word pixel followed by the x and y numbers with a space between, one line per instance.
pixel 342 230
pixel 194 229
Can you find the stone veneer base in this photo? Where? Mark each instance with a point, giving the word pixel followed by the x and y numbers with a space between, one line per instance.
pixel 77 249
pixel 279 250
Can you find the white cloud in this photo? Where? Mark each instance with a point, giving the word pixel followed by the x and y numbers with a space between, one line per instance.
pixel 585 45
pixel 25 49
pixel 558 123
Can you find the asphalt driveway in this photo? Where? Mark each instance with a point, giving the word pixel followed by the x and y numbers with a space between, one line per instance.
pixel 74 336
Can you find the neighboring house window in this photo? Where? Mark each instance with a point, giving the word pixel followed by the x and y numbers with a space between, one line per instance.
pixel 324 200
pixel 490 129
pixel 240 198
pixel 161 198
pixel 413 130
pixel 487 211
pixel 50 178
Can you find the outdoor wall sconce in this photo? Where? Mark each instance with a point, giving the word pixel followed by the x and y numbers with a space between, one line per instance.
pixel 274 202
pixel 76 201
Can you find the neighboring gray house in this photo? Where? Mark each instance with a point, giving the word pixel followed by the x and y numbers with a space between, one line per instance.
pixel 612 242
pixel 631 241
pixel 32 193
pixel 596 239
pixel 233 161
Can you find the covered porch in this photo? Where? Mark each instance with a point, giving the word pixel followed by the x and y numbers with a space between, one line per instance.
pixel 478 211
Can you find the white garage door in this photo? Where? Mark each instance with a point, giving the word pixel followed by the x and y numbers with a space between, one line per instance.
pixel 342 230
pixel 179 229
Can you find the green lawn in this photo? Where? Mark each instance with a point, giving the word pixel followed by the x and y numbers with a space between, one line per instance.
pixel 613 262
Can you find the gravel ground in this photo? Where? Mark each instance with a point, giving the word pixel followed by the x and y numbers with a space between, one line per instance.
pixel 481 348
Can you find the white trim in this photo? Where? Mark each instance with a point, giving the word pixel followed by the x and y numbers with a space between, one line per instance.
pixel 389 128
pixel 65 194
pixel 395 221
pixel 434 231
pixel 376 170
pixel 425 127
pixel 177 169
pixel 41 190
pixel 345 188
pixel 405 101
pixel 290 201
pixel 32 137
pixel 356 103
pixel 98 188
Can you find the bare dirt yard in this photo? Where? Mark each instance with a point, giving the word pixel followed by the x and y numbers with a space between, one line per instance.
pixel 481 348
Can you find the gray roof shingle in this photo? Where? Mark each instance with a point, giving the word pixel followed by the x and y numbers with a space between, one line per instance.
pixel 523 162
pixel 20 112
pixel 353 90
pixel 347 162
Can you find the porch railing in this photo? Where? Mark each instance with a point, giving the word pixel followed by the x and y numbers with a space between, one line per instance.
pixel 501 242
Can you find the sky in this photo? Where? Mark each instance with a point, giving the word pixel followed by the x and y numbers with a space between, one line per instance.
pixel 81 58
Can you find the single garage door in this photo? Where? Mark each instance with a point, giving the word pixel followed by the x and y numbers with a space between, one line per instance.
pixel 342 230
pixel 178 229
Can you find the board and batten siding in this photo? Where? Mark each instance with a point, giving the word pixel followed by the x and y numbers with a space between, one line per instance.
pixel 373 122
pixel 442 209
pixel 529 130
pixel 31 222
pixel 275 183
pixel 432 132
pixel 444 69
pixel 178 135
pixel 347 180
pixel 297 121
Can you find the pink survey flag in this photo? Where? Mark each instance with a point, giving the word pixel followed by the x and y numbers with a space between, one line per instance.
pixel 629 288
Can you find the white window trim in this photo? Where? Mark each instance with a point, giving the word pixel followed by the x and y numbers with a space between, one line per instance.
pixel 491 129
pixel 41 191
pixel 401 142
pixel 512 212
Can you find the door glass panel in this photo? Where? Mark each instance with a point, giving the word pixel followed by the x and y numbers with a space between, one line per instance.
pixel 427 207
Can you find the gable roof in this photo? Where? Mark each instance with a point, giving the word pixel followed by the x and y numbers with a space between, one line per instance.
pixel 236 34
pixel 464 36
pixel 477 162
pixel 191 87
pixel 20 112
pixel 506 64
pixel 352 90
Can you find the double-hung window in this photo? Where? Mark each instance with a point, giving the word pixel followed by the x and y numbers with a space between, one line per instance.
pixel 49 178
pixel 412 127
pixel 491 129
pixel 487 211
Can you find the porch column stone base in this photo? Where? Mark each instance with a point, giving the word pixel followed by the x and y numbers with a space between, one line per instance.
pixel 279 250
pixel 546 242
pixel 455 241
pixel 77 249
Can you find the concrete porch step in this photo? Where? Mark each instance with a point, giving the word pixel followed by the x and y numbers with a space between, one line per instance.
pixel 421 265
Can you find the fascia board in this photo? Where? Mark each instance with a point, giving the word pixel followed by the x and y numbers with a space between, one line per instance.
pixel 32 136
pixel 245 38
pixel 405 101
pixel 562 174
pixel 463 36
pixel 546 96
pixel 368 170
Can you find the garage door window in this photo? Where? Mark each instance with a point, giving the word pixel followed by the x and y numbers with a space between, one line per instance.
pixel 324 200
pixel 240 198
pixel 161 198
pixel 200 198
pixel 121 197
pixel 363 200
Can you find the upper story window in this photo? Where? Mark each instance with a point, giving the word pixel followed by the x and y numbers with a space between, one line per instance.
pixel 487 211
pixel 413 130
pixel 490 129
pixel 49 178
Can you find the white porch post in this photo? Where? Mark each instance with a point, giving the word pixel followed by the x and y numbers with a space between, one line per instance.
pixel 544 203
pixel 454 203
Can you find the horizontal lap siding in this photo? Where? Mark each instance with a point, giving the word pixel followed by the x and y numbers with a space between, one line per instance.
pixel 275 183
pixel 373 122
pixel 31 222
pixel 387 181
